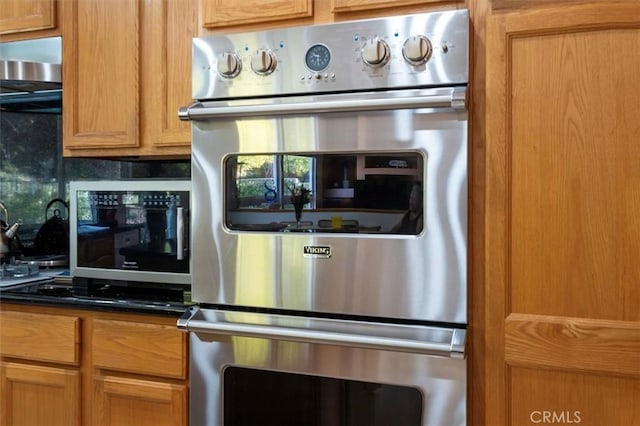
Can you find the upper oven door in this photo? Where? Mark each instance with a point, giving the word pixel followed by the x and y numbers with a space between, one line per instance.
pixel 359 155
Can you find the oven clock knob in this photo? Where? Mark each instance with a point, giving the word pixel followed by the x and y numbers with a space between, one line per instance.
pixel 375 52
pixel 417 50
pixel 229 65
pixel 263 61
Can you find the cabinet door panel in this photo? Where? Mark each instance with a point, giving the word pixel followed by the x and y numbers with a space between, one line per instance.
pixel 562 230
pixel 357 5
pixel 166 73
pixel 42 337
pixel 33 395
pixel 26 15
pixel 224 13
pixel 121 401
pixel 101 59
pixel 575 398
pixel 128 346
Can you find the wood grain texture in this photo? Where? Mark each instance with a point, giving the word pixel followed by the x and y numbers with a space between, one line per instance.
pixel 168 30
pixel 101 74
pixel 478 9
pixel 562 233
pixel 578 399
pixel 225 13
pixel 498 5
pixel 139 348
pixel 573 344
pixel 575 174
pixel 341 6
pixel 17 16
pixel 43 337
pixel 39 395
pixel 123 401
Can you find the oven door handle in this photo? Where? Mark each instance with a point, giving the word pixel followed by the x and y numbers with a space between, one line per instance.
pixel 455 98
pixel 453 348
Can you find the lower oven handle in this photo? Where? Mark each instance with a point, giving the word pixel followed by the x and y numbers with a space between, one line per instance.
pixel 197 111
pixel 452 349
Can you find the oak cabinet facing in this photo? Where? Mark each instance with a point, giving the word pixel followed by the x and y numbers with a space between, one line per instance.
pixel 562 230
pixel 20 16
pixel 358 5
pixel 124 401
pixel 40 337
pixel 39 395
pixel 224 13
pixel 129 346
pixel 127 70
pixel 132 368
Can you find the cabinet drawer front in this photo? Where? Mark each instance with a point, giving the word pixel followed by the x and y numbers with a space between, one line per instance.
pixel 142 348
pixel 41 337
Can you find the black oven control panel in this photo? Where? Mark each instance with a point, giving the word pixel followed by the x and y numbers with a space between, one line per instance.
pixel 422 50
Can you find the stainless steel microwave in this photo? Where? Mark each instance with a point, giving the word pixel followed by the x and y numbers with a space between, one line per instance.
pixel 131 230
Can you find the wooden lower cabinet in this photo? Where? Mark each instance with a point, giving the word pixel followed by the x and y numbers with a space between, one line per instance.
pixel 122 401
pixel 39 395
pixel 99 369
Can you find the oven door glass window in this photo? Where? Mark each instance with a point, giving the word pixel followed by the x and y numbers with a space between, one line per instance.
pixel 260 397
pixel 374 192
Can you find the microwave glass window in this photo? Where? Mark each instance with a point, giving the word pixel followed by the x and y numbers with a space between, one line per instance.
pixel 133 230
pixel 372 193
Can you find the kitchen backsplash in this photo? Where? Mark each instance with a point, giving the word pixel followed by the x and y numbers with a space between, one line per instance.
pixel 33 171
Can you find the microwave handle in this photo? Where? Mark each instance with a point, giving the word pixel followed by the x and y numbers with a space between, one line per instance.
pixel 180 233
pixel 454 348
pixel 455 98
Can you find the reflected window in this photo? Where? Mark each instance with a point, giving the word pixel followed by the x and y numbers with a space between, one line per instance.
pixel 376 192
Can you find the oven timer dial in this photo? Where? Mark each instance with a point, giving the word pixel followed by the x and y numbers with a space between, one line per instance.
pixel 417 50
pixel 229 65
pixel 375 52
pixel 263 61
pixel 317 57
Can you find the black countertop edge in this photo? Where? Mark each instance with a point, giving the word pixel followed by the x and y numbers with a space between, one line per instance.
pixel 93 303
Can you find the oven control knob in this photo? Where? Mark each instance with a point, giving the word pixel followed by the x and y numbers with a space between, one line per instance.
pixel 263 61
pixel 417 50
pixel 375 52
pixel 229 65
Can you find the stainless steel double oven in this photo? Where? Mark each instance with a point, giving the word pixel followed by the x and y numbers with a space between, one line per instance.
pixel 329 224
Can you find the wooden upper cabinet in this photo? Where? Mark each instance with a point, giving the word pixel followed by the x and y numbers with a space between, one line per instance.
pixel 18 16
pixel 225 13
pixel 169 28
pixel 340 6
pixel 127 70
pixel 101 74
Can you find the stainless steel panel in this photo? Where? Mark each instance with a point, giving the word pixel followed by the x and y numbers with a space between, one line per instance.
pixel 419 277
pixel 448 342
pixel 120 274
pixel 441 380
pixel 350 102
pixel 448 32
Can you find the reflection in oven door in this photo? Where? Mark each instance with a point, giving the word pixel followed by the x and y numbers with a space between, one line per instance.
pixel 257 369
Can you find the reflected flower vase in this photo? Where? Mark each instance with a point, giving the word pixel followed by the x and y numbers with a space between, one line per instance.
pixel 299 197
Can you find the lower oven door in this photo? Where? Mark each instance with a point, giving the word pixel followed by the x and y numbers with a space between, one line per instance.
pixel 263 369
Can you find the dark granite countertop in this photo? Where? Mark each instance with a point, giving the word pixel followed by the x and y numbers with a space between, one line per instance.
pixel 59 292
